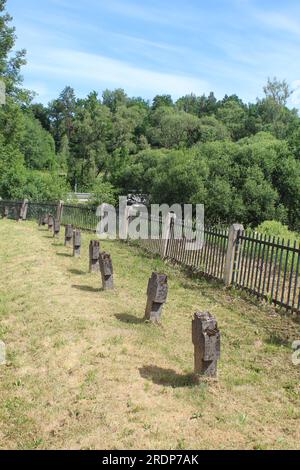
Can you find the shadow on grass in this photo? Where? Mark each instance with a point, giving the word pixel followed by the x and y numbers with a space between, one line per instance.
pixel 127 318
pixel 168 377
pixel 78 272
pixel 65 255
pixel 88 288
pixel 278 340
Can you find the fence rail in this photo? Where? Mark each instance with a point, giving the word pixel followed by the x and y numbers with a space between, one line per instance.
pixel 266 267
pixel 81 217
pixel 13 209
pixel 209 250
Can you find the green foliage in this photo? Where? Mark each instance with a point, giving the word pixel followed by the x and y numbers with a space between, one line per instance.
pixel 10 63
pixel 44 186
pixel 37 145
pixel 173 129
pixel 210 130
pixel 278 90
pixel 273 228
pixel 233 116
pixel 12 171
pixel 12 122
pixel 103 192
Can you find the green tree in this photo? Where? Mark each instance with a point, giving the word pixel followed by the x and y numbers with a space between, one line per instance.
pixel 162 100
pixel 114 99
pixel 92 128
pixel 278 91
pixel 37 145
pixel 10 63
pixel 61 113
pixel 12 171
pixel 210 130
pixel 260 198
pixel 173 129
pixel 233 115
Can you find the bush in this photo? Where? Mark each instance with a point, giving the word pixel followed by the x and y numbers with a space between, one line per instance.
pixel 277 229
pixel 44 186
pixel 103 192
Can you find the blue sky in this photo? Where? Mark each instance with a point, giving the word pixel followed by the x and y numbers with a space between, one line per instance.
pixel 153 47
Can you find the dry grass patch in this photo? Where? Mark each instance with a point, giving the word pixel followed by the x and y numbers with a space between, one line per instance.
pixel 85 372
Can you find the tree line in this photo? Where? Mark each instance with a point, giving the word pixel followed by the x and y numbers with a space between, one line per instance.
pixel 242 160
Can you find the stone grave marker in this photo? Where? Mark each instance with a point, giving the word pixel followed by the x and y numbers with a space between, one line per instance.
pixel 157 293
pixel 207 344
pixel 76 243
pixel 69 235
pixel 106 269
pixel 94 252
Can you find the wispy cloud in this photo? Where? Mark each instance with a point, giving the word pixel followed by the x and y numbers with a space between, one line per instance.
pixel 150 46
pixel 278 21
pixel 98 72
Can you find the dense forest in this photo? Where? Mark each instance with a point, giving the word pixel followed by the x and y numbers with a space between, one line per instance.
pixel 242 160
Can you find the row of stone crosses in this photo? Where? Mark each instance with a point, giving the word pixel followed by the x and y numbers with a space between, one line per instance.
pixel 205 332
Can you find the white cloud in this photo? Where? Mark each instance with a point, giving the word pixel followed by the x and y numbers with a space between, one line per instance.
pixel 278 21
pixel 96 71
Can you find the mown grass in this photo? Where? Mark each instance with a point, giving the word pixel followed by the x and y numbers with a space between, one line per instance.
pixel 85 372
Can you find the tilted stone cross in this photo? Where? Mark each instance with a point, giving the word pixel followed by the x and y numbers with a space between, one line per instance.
pixel 76 243
pixel 56 228
pixel 207 344
pixel 69 235
pixel 50 222
pixel 106 269
pixel 94 252
pixel 157 293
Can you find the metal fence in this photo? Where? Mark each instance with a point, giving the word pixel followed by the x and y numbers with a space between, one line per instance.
pixel 208 254
pixel 13 209
pixel 36 209
pixel 268 268
pixel 264 266
pixel 82 217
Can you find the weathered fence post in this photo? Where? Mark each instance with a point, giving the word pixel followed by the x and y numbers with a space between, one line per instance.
pixel 169 222
pixel 50 222
pixel 106 269
pixel 94 252
pixel 76 243
pixel 59 210
pixel 207 344
pixel 231 252
pixel 23 210
pixel 68 235
pixel 5 212
pixel 157 293
pixel 56 228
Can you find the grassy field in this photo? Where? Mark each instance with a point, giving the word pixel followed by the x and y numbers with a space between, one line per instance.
pixel 85 372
